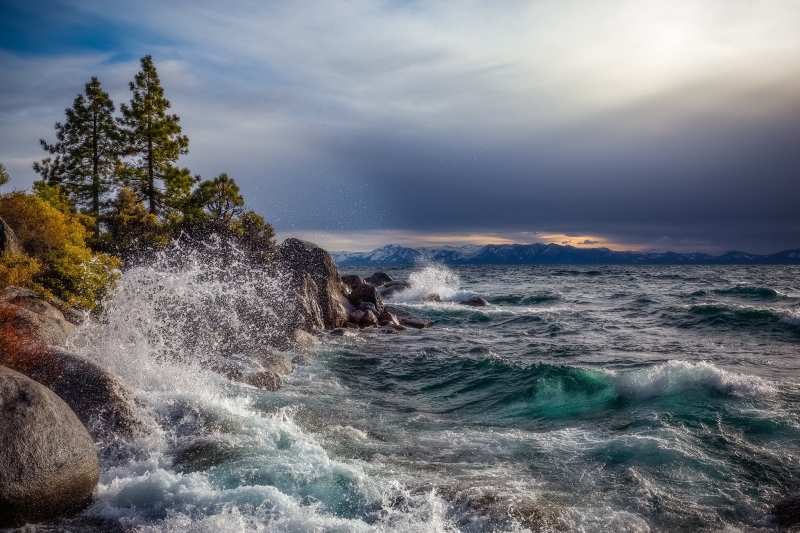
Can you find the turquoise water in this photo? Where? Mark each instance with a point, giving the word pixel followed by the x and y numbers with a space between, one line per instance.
pixel 581 399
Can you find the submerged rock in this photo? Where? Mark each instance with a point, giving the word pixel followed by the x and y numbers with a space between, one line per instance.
pixel 432 297
pixel 342 332
pixel 48 464
pixel 34 316
pixel 787 512
pixel 475 301
pixel 409 320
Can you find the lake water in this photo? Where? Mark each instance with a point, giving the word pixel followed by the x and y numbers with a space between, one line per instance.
pixel 644 398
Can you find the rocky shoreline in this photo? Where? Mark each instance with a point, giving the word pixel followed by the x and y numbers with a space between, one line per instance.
pixel 54 404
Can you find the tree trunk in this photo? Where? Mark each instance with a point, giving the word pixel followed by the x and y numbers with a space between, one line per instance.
pixel 151 192
pixel 95 175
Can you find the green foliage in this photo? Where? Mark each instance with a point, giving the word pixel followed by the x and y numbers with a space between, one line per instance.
pixel 58 261
pixel 131 228
pixel 152 141
pixel 78 276
pixel 19 270
pixel 219 199
pixel 255 235
pixel 3 175
pixel 86 150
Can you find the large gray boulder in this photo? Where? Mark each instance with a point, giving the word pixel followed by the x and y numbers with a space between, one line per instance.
pixel 8 240
pixel 98 397
pixel 302 257
pixel 36 317
pixel 48 464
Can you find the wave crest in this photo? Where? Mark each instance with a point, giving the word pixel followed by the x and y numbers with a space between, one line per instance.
pixel 676 377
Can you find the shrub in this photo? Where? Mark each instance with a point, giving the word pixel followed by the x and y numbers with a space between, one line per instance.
pixel 18 269
pixel 55 238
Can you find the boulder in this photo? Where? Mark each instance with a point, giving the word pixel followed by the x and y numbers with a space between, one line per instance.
pixel 297 257
pixel 475 301
pixel 307 314
pixel 348 307
pixel 432 297
pixel 787 512
pixel 36 317
pixel 369 319
pixel 48 464
pixel 366 293
pixel 387 317
pixel 378 279
pixel 98 398
pixel 409 320
pixel 342 332
pixel 355 317
pixel 368 306
pixel 350 325
pixel 277 363
pixel 351 281
pixel 9 244
pixel 261 380
pixel 398 283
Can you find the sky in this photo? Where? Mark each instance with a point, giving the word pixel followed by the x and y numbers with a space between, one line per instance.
pixel 631 124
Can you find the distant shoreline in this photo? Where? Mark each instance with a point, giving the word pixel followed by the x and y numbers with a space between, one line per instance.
pixel 552 254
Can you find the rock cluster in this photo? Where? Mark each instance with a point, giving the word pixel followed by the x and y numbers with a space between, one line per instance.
pixel 365 306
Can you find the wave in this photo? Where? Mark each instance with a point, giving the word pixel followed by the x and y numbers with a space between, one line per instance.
pixel 493 388
pixel 743 291
pixel 519 299
pixel 678 377
pixel 734 315
pixel 433 279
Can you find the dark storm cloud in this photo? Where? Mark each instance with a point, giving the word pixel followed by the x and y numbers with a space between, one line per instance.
pixel 631 121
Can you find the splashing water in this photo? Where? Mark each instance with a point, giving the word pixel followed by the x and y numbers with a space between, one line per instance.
pixel 216 455
pixel 620 408
pixel 433 279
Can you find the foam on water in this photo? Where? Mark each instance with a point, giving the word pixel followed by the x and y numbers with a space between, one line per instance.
pixel 678 377
pixel 162 332
pixel 549 410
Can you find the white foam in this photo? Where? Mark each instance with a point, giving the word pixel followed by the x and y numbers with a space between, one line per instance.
pixel 433 279
pixel 675 377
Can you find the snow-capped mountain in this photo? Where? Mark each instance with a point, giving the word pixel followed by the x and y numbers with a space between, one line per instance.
pixel 551 254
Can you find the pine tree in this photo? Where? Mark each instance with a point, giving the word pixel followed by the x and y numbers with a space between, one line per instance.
pixel 154 142
pixel 86 150
pixel 220 199
pixel 3 175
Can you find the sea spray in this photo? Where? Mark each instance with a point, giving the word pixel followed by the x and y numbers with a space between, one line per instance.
pixel 216 456
pixel 429 280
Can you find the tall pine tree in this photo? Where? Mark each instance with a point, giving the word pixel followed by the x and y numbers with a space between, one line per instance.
pixel 86 150
pixel 153 141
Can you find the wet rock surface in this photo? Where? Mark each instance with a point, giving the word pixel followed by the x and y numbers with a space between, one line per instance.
pixel 408 319
pixel 37 317
pixel 48 464
pixel 301 257
pixel 475 301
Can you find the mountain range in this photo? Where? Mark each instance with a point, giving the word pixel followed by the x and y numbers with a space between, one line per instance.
pixel 552 254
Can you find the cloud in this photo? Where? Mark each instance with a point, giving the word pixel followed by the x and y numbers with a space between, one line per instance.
pixel 627 119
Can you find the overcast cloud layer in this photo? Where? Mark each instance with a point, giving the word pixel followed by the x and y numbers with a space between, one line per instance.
pixel 634 123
